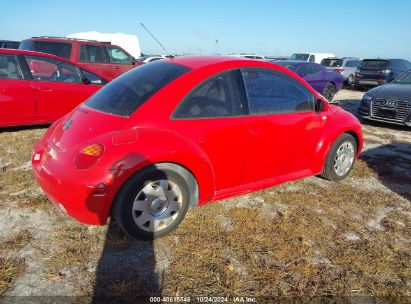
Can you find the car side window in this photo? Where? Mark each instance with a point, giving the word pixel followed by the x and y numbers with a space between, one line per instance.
pixel 92 53
pixel 350 64
pixel 315 68
pixel 312 58
pixel 47 69
pixel 271 92
pixel 217 96
pixel 305 69
pixel 404 65
pixel 118 56
pixel 93 78
pixel 9 67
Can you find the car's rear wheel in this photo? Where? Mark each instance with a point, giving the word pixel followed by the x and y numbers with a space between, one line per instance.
pixel 329 91
pixel 340 159
pixel 152 203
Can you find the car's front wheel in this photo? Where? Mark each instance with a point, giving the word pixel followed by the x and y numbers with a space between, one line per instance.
pixel 340 159
pixel 329 91
pixel 152 203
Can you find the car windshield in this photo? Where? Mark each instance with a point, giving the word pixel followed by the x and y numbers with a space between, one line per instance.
pixel 60 49
pixel 374 64
pixel 404 78
pixel 126 93
pixel 333 63
pixel 303 57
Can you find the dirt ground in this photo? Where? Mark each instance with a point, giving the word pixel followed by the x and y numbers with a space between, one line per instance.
pixel 310 238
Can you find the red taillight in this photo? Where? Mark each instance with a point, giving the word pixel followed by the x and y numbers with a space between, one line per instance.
pixel 339 70
pixel 88 156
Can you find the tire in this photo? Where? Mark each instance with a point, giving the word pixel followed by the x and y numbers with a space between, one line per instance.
pixel 350 80
pixel 344 148
pixel 329 91
pixel 153 202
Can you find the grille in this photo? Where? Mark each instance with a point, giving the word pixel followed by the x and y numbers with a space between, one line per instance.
pixel 390 109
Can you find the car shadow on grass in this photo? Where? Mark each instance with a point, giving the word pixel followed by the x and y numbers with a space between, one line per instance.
pixel 23 128
pixel 392 163
pixel 126 269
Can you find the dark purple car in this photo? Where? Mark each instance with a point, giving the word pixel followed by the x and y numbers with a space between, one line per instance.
pixel 322 80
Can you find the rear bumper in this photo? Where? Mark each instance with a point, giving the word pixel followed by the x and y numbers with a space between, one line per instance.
pixel 84 195
pixel 369 82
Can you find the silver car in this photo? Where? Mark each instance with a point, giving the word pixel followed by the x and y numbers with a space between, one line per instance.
pixel 347 66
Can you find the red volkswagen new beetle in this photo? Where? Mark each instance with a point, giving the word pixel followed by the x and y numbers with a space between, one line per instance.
pixel 183 132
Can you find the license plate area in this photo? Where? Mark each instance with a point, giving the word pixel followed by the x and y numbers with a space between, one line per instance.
pixel 387 113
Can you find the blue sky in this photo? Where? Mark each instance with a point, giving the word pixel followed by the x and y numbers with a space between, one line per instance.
pixel 363 28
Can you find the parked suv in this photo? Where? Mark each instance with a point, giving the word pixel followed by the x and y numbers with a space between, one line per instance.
pixel 103 58
pixel 347 66
pixel 375 72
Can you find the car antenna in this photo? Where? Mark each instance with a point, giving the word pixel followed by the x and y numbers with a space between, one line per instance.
pixel 171 56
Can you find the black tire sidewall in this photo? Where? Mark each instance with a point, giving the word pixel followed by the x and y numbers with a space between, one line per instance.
pixel 325 89
pixel 122 210
pixel 329 172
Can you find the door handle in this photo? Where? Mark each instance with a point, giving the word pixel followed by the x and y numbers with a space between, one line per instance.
pixel 255 131
pixel 45 90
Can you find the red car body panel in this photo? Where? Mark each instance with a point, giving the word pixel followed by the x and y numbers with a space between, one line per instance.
pixel 227 156
pixel 28 101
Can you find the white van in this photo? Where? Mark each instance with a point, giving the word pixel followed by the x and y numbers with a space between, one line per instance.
pixel 311 57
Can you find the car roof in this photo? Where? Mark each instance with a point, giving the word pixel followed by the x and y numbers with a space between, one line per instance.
pixel 68 40
pixel 24 52
pixel 195 62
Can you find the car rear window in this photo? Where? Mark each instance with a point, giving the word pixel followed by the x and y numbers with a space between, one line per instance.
pixel 333 63
pixel 60 49
pixel 126 93
pixel 374 64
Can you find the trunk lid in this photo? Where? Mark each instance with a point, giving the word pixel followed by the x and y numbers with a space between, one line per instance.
pixel 83 124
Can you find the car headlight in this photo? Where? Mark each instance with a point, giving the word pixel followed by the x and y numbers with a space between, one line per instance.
pixel 366 100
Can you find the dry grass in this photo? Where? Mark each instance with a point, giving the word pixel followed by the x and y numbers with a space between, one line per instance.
pixel 16 242
pixel 300 250
pixel 10 269
pixel 76 244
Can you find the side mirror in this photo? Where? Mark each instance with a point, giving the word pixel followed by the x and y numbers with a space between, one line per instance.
pixel 133 61
pixel 85 80
pixel 319 105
